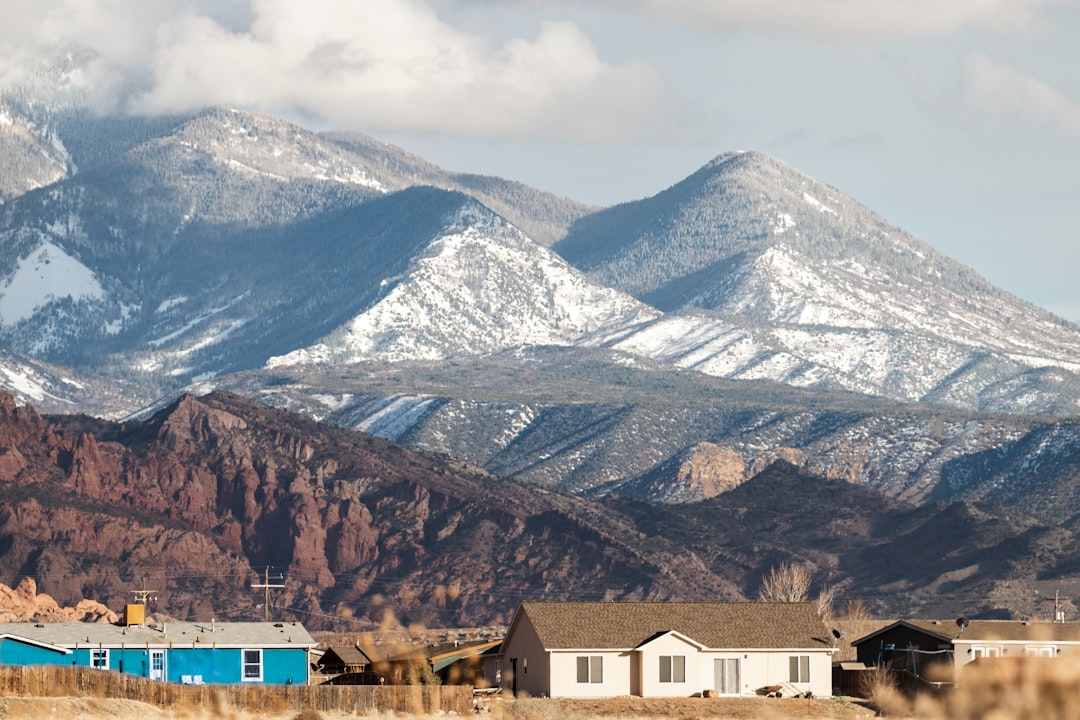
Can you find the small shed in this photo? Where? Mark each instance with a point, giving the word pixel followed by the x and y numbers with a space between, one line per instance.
pixel 340 659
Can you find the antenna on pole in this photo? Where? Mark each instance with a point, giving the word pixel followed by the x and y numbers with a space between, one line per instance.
pixel 265 585
pixel 143 596
pixel 135 612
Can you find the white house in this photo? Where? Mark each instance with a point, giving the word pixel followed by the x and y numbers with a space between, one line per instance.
pixel 664 649
pixel 925 647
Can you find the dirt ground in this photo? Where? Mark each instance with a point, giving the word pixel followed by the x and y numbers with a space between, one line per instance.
pixel 684 709
pixel 533 709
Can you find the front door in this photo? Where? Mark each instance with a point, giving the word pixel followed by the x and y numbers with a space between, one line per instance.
pixel 157 664
pixel 726 675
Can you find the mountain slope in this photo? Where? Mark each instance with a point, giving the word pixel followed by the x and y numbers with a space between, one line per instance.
pixel 480 286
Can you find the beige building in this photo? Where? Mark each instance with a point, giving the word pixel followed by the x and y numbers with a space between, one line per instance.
pixel 665 649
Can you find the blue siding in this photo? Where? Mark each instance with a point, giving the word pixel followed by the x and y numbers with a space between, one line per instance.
pixel 285 667
pixel 225 665
pixel 214 665
pixel 13 652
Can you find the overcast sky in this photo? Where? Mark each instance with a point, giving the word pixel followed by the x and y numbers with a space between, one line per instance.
pixel 958 120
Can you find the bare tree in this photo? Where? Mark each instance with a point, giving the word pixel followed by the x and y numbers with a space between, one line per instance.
pixel 824 602
pixel 786 582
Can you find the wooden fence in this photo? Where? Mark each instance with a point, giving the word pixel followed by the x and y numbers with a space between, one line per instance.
pixel 62 681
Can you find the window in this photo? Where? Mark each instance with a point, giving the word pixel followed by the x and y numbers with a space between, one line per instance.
pixel 99 659
pixel 978 651
pixel 672 668
pixel 799 669
pixel 590 669
pixel 252 665
pixel 1040 650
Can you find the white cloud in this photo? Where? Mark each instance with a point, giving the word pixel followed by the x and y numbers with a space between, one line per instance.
pixel 376 65
pixel 1000 89
pixel 845 19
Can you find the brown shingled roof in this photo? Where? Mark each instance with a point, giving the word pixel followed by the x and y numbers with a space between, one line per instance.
pixel 348 655
pixel 581 625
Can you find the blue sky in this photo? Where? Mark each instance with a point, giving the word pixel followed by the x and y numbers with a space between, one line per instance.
pixel 958 120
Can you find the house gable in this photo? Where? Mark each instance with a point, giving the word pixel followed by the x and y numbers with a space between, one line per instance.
pixel 664 637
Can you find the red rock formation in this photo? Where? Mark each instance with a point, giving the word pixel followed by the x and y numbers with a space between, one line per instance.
pixel 202 496
pixel 24 604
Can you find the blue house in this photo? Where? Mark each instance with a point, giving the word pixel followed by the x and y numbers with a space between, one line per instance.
pixel 181 652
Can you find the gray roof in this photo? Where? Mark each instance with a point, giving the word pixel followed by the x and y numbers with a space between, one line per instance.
pixel 220 634
pixel 742 625
pixel 1004 630
pixel 989 630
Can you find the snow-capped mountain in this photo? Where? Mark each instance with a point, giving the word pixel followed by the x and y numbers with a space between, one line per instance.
pixel 227 239
pixel 767 273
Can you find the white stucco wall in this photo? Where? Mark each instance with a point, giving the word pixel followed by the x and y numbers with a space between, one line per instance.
pixel 762 668
pixel 616 674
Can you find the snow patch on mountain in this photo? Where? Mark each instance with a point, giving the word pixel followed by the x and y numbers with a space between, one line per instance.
pixel 45 275
pixel 817 204
pixel 272 148
pixel 395 416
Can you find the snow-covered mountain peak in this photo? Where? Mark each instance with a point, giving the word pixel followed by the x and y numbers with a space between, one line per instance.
pixel 480 286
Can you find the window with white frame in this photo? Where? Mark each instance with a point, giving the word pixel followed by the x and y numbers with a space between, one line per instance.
pixel 672 668
pixel 590 669
pixel 1040 651
pixel 978 651
pixel 799 669
pixel 99 659
pixel 252 665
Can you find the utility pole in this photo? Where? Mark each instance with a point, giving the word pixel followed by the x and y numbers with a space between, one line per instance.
pixel 1059 608
pixel 265 585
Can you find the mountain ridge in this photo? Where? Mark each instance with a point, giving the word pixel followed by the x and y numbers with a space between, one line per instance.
pixel 209 489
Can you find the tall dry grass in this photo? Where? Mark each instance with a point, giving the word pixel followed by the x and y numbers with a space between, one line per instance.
pixel 1014 688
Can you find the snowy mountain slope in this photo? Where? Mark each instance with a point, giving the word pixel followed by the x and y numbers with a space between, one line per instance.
pixel 904 366
pixel 543 217
pixel 33 156
pixel 596 422
pixel 481 286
